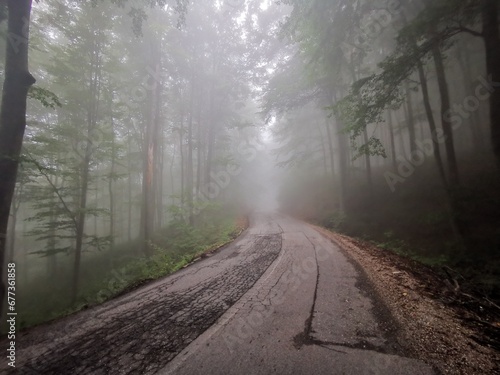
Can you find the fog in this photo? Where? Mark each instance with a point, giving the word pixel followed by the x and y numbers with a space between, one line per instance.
pixel 155 127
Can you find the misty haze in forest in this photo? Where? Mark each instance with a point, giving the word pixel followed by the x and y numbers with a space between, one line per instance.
pixel 154 128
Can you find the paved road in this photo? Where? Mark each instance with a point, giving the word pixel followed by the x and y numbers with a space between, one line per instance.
pixel 281 299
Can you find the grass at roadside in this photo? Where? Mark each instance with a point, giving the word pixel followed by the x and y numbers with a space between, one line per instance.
pixel 105 275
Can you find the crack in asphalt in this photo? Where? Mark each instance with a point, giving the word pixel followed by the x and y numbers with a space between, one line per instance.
pixel 305 337
pixel 149 335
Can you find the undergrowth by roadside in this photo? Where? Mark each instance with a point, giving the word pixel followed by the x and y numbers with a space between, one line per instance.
pixel 108 274
pixel 472 274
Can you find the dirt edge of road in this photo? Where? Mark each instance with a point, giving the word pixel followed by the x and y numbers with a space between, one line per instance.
pixel 429 330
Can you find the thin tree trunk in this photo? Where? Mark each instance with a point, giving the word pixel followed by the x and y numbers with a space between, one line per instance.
pixel 199 160
pixel 323 150
pixel 453 175
pixel 129 185
pixel 432 123
pixel 368 164
pixel 80 225
pixel 475 122
pixel 189 171
pixel 17 82
pixel 183 164
pixel 437 156
pixel 149 179
pixel 402 147
pixel 92 114
pixel 392 140
pixel 330 147
pixel 51 242
pixel 157 202
pixel 160 174
pixel 96 198
pixel 343 152
pixel 110 188
pixel 172 163
pixel 410 119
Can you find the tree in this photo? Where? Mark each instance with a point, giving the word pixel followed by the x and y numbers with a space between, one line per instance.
pixel 17 83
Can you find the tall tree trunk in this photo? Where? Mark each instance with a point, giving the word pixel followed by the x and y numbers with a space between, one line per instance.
pixel 432 123
pixel 330 147
pixel 343 156
pixel 475 122
pixel 491 39
pixel 147 182
pixel 199 151
pixel 368 164
pixel 92 118
pixel 453 175
pixel 96 199
pixel 80 223
pixel 450 206
pixel 171 167
pixel 182 160
pixel 11 237
pixel 110 188
pixel 157 202
pixel 401 116
pixel 129 186
pixel 159 187
pixel 392 140
pixel 189 171
pixel 17 82
pixel 323 149
pixel 52 242
pixel 410 117
pixel 150 145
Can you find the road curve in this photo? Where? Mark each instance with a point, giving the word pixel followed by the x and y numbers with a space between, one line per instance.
pixel 281 299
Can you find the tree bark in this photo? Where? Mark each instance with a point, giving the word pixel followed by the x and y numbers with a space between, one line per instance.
pixel 11 237
pixel 368 164
pixel 330 147
pixel 453 175
pixel 491 39
pixel 392 140
pixel 432 123
pixel 80 225
pixel 129 187
pixel 189 171
pixel 182 160
pixel 450 206
pixel 110 187
pixel 17 82
pixel 475 122
pixel 410 119
pixel 92 120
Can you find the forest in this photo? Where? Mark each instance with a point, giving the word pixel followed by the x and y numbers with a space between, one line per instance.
pixel 136 136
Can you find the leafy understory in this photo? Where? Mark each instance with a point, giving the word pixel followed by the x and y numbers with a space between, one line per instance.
pixel 118 271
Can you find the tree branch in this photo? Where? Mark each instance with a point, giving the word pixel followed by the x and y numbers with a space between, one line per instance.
pixel 55 189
